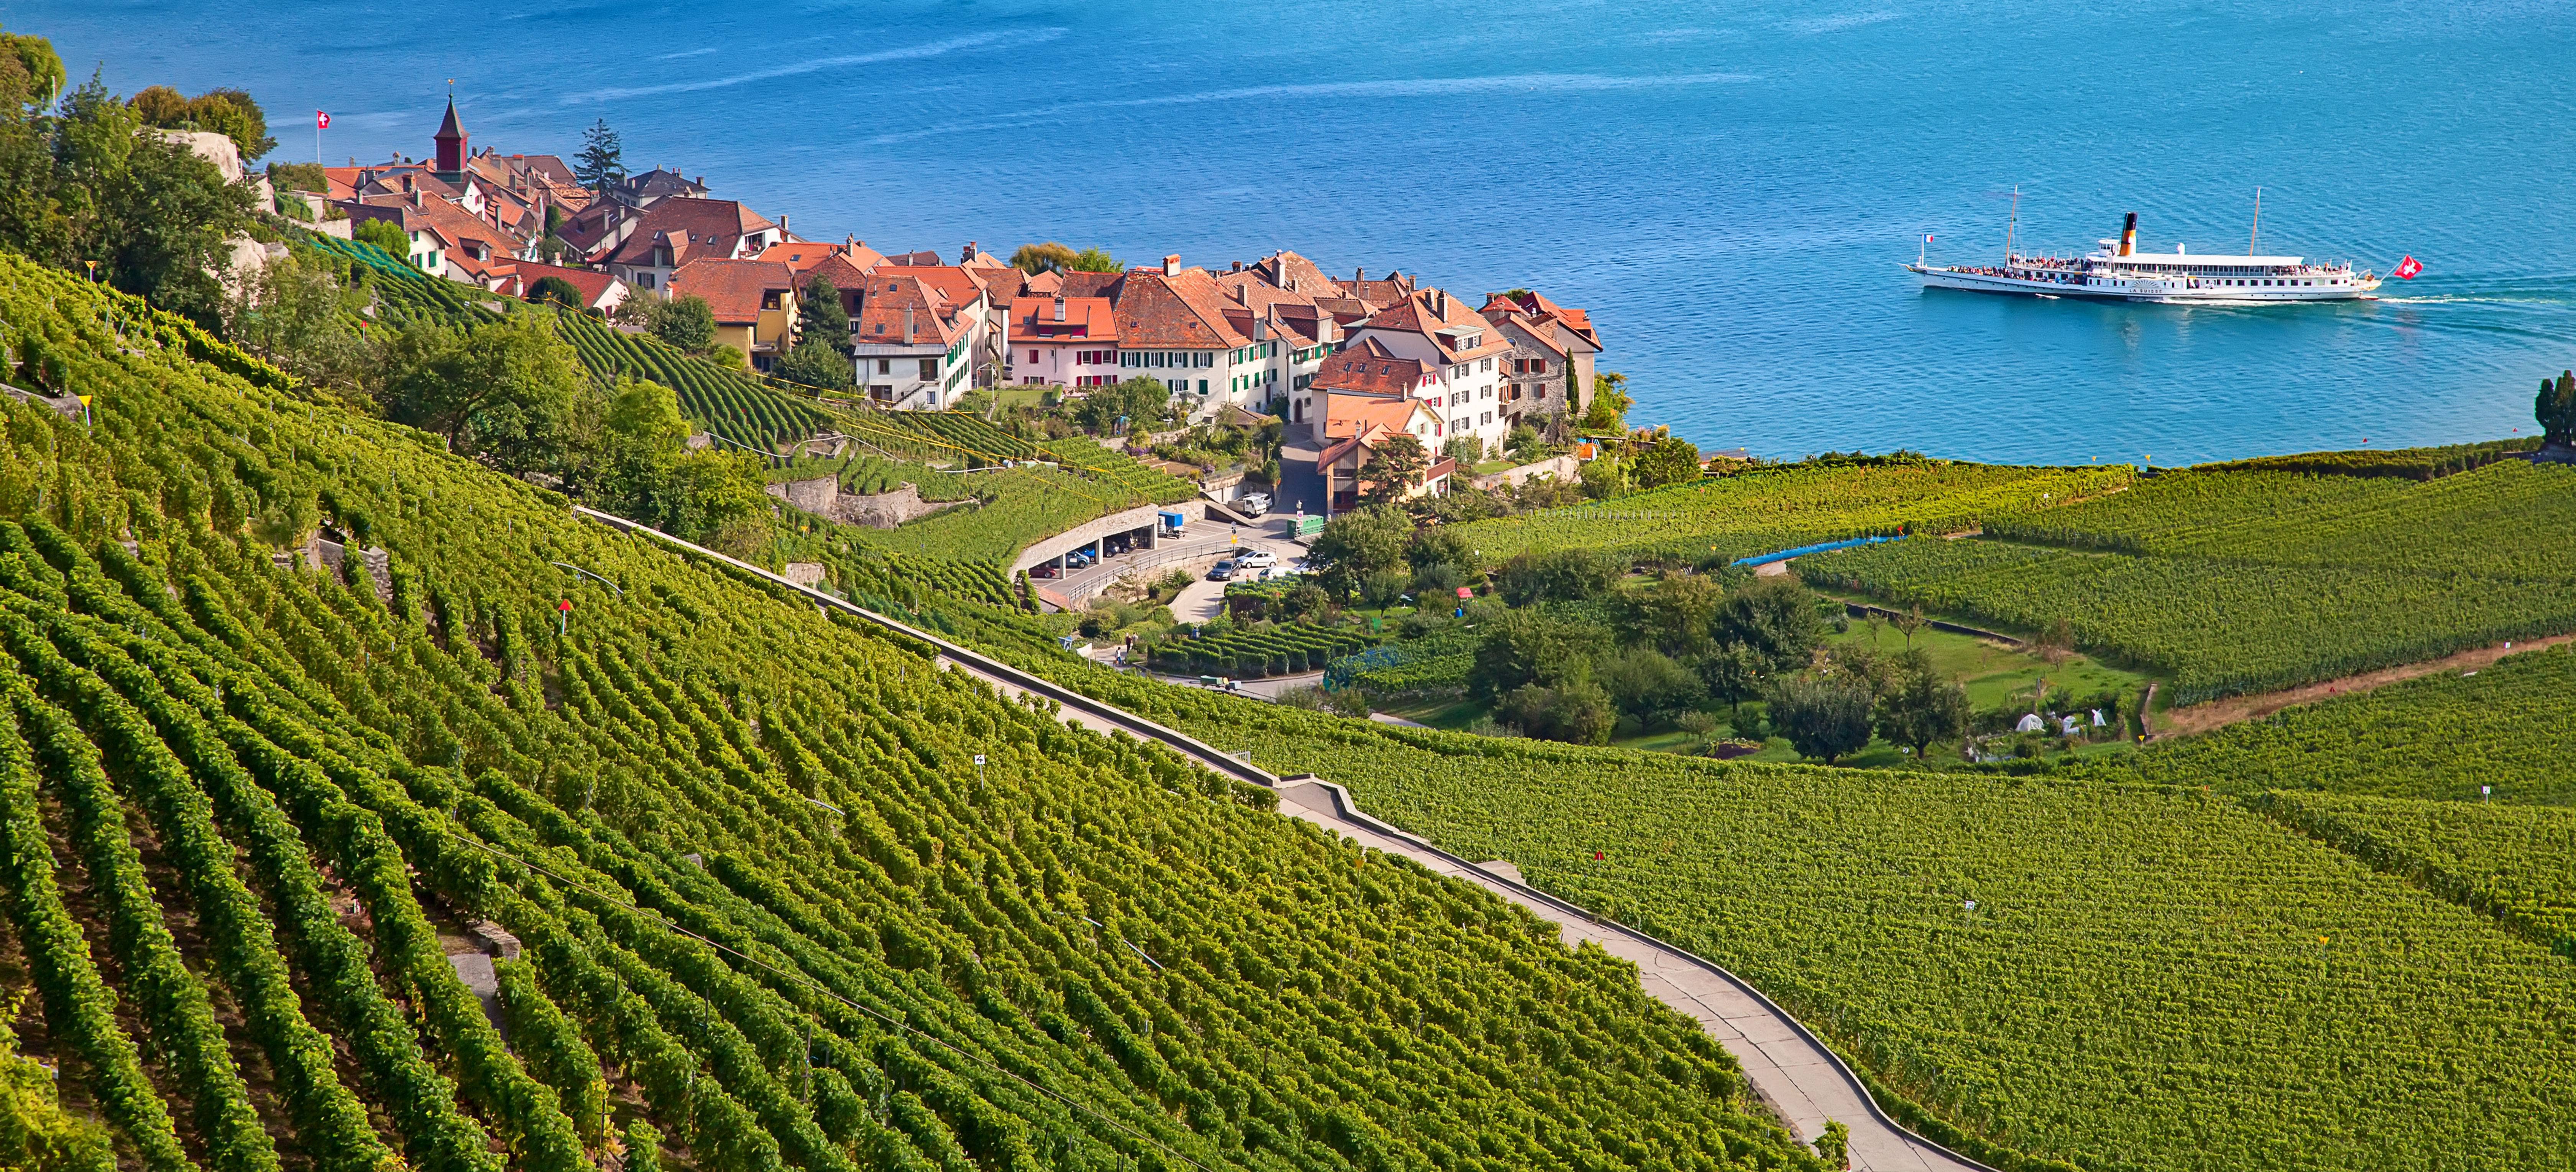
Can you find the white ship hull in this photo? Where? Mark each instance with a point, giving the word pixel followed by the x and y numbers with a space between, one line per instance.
pixel 2162 289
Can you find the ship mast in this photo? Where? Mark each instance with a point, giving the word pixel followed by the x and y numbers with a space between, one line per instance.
pixel 2253 243
pixel 2011 220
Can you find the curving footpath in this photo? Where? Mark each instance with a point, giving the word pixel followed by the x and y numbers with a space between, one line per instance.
pixel 1786 1064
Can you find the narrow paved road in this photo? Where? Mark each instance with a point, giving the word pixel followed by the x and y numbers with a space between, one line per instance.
pixel 1787 1066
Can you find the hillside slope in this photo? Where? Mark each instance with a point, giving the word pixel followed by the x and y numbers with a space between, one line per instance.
pixel 789 895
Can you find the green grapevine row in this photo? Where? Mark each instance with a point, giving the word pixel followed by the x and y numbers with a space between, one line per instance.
pixel 806 898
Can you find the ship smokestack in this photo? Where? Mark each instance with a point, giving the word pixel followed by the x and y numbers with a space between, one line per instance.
pixel 2129 235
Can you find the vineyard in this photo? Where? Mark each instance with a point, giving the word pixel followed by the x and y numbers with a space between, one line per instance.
pixel 2510 862
pixel 2234 582
pixel 2501 735
pixel 1438 662
pixel 790 896
pixel 729 403
pixel 1283 649
pixel 1768 509
pixel 2125 976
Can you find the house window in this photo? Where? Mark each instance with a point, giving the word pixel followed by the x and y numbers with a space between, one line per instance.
pixel 885 365
pixel 929 369
pixel 1033 356
pixel 1485 364
pixel 1538 366
pixel 769 299
pixel 1485 418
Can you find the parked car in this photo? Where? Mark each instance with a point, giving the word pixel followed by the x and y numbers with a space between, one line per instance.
pixel 1223 572
pixel 1252 504
pixel 1256 559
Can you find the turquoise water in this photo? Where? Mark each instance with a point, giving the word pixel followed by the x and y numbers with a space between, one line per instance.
pixel 1729 187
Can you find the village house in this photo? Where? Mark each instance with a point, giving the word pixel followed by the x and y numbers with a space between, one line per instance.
pixel 1456 359
pixel 677 230
pixel 914 346
pixel 1553 348
pixel 754 302
pixel 1063 341
pixel 1368 424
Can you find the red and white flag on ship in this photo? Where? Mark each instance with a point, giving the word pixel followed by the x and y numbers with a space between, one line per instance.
pixel 321 121
pixel 2406 269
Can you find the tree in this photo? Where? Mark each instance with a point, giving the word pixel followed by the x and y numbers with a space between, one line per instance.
pixel 820 316
pixel 1440 545
pixel 384 234
pixel 1467 450
pixel 1608 410
pixel 1909 622
pixel 1394 467
pixel 1566 575
pixel 1576 710
pixel 1920 707
pixel 602 161
pixel 687 323
pixel 1773 619
pixel 1646 684
pixel 2056 643
pixel 296 313
pixel 817 364
pixel 1357 544
pixel 505 392
pixel 2556 409
pixel 1049 257
pixel 1142 401
pixel 228 112
pixel 1674 615
pixel 1528 647
pixel 1825 717
pixel 157 218
pixel 558 291
pixel 1093 260
pixel 31 73
pixel 1669 460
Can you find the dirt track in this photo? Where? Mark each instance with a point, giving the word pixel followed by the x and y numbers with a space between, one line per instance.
pixel 2201 718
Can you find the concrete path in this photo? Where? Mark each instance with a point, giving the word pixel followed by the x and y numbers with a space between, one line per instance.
pixel 1787 1066
pixel 1199 602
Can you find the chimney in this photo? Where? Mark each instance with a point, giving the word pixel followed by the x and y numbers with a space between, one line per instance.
pixel 700 181
pixel 907 325
pixel 1059 309
pixel 1360 273
pixel 1172 265
pixel 2129 235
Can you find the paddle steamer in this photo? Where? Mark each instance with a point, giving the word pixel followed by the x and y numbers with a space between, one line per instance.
pixel 2117 271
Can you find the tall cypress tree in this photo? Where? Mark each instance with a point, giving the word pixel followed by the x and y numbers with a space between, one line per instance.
pixel 2556 408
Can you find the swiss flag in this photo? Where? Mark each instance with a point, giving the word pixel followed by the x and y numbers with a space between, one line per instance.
pixel 321 121
pixel 2406 269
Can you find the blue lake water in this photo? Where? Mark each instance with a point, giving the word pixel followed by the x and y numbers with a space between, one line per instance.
pixel 1728 187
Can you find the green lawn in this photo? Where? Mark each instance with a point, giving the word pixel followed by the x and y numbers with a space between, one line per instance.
pixel 1993 673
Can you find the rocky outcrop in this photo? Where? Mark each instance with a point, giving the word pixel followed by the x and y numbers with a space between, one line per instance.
pixel 822 496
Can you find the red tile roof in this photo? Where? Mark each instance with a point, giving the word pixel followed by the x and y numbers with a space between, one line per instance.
pixel 1538 314
pixel 1182 311
pixel 734 289
pixel 881 320
pixel 1090 284
pixel 1085 319
pixel 1444 320
pixel 802 255
pixel 1369 368
pixel 711 227
pixel 958 286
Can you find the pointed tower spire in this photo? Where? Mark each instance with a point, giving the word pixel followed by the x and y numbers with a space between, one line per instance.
pixel 451 141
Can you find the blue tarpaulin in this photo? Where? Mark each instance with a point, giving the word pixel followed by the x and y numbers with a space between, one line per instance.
pixel 1821 547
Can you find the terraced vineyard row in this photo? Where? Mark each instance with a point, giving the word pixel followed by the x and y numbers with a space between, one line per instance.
pixel 2249 581
pixel 1770 509
pixel 2122 976
pixel 791 897
pixel 1263 651
pixel 729 403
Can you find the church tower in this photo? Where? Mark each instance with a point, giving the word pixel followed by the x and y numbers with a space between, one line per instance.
pixel 451 144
